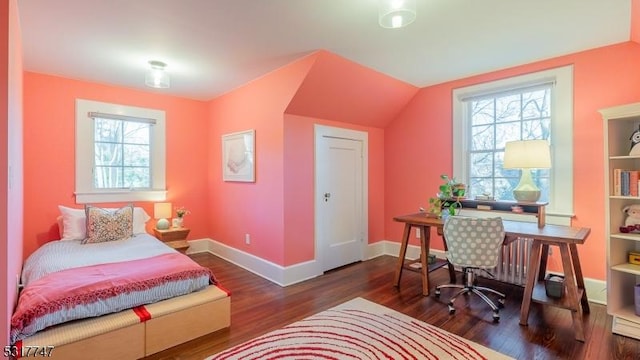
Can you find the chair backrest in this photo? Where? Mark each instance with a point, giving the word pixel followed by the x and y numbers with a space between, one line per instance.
pixel 473 242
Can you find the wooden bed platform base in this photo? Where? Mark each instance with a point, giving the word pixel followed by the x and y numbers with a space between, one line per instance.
pixel 132 334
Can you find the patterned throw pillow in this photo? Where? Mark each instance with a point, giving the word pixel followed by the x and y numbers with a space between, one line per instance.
pixel 108 225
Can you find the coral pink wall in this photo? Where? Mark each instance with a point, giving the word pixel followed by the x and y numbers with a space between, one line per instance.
pixel 11 202
pixel 257 208
pixel 300 179
pixel 342 90
pixel 405 158
pixel 299 196
pixel 49 117
pixel 5 246
pixel 635 21
pixel 340 93
pixel 418 142
pixel 278 209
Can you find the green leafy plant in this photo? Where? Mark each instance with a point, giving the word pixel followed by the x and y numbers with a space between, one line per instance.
pixel 451 188
pixel 448 197
pixel 435 207
pixel 452 206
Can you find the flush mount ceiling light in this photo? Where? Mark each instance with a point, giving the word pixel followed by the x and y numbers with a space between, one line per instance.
pixel 394 14
pixel 156 77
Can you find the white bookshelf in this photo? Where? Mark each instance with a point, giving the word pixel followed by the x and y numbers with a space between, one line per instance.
pixel 619 123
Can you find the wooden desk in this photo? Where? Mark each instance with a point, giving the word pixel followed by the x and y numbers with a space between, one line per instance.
pixel 424 223
pixel 575 297
pixel 566 238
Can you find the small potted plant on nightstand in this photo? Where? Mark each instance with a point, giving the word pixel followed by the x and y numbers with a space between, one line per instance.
pixel 180 212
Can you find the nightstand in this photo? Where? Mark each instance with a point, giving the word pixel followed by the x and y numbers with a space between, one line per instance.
pixel 174 237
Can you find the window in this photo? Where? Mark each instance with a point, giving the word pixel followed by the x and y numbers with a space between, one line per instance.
pixel 532 106
pixel 120 153
pixel 522 114
pixel 122 157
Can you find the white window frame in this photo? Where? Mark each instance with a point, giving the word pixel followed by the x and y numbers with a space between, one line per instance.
pixel 560 208
pixel 85 189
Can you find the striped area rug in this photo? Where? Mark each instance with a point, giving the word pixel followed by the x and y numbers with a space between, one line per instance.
pixel 359 329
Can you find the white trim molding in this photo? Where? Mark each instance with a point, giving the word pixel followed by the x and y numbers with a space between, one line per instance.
pixel 278 274
pixel 560 208
pixel 289 275
pixel 85 191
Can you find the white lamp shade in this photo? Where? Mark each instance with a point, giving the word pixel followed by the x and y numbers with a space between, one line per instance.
pixel 527 154
pixel 396 13
pixel 162 210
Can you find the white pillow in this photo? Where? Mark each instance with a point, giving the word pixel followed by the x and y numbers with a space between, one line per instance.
pixel 74 225
pixel 74 222
pixel 140 218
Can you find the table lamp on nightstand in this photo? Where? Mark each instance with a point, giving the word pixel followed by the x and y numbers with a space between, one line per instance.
pixel 161 212
pixel 527 155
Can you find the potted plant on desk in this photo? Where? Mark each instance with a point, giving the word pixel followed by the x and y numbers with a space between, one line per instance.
pixel 448 197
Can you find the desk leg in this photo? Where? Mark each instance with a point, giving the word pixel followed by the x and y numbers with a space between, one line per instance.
pixel 403 253
pixel 425 240
pixel 572 291
pixel 579 279
pixel 542 273
pixel 534 264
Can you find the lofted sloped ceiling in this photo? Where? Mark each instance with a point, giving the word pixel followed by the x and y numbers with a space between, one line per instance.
pixel 214 46
pixel 338 89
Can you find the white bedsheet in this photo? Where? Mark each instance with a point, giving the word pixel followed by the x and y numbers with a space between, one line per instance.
pixel 66 254
pixel 114 285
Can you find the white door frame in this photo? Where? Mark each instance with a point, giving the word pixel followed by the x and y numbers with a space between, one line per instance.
pixel 335 132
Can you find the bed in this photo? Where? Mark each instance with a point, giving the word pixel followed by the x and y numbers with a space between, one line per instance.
pixel 123 299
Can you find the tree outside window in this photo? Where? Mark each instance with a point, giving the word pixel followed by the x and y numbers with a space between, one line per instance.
pixel 494 120
pixel 122 154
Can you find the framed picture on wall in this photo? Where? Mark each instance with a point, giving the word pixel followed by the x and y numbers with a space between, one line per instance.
pixel 238 157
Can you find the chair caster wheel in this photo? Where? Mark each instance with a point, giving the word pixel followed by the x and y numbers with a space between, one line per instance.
pixel 496 317
pixel 452 310
pixel 436 293
pixel 501 303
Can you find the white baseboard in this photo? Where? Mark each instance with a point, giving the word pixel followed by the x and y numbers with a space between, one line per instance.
pixel 281 275
pixel 596 289
pixel 289 275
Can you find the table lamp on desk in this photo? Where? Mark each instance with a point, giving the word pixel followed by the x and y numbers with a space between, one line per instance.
pixel 527 155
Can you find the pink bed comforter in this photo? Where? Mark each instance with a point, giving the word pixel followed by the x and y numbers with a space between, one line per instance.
pixel 54 298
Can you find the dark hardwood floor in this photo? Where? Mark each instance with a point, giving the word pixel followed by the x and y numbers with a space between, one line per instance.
pixel 259 306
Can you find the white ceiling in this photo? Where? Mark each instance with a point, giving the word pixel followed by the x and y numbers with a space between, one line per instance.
pixel 214 46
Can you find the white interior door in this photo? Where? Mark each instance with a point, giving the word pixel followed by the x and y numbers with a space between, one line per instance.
pixel 340 220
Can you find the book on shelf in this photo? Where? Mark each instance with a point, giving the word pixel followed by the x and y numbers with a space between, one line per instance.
pixel 616 182
pixel 626 182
